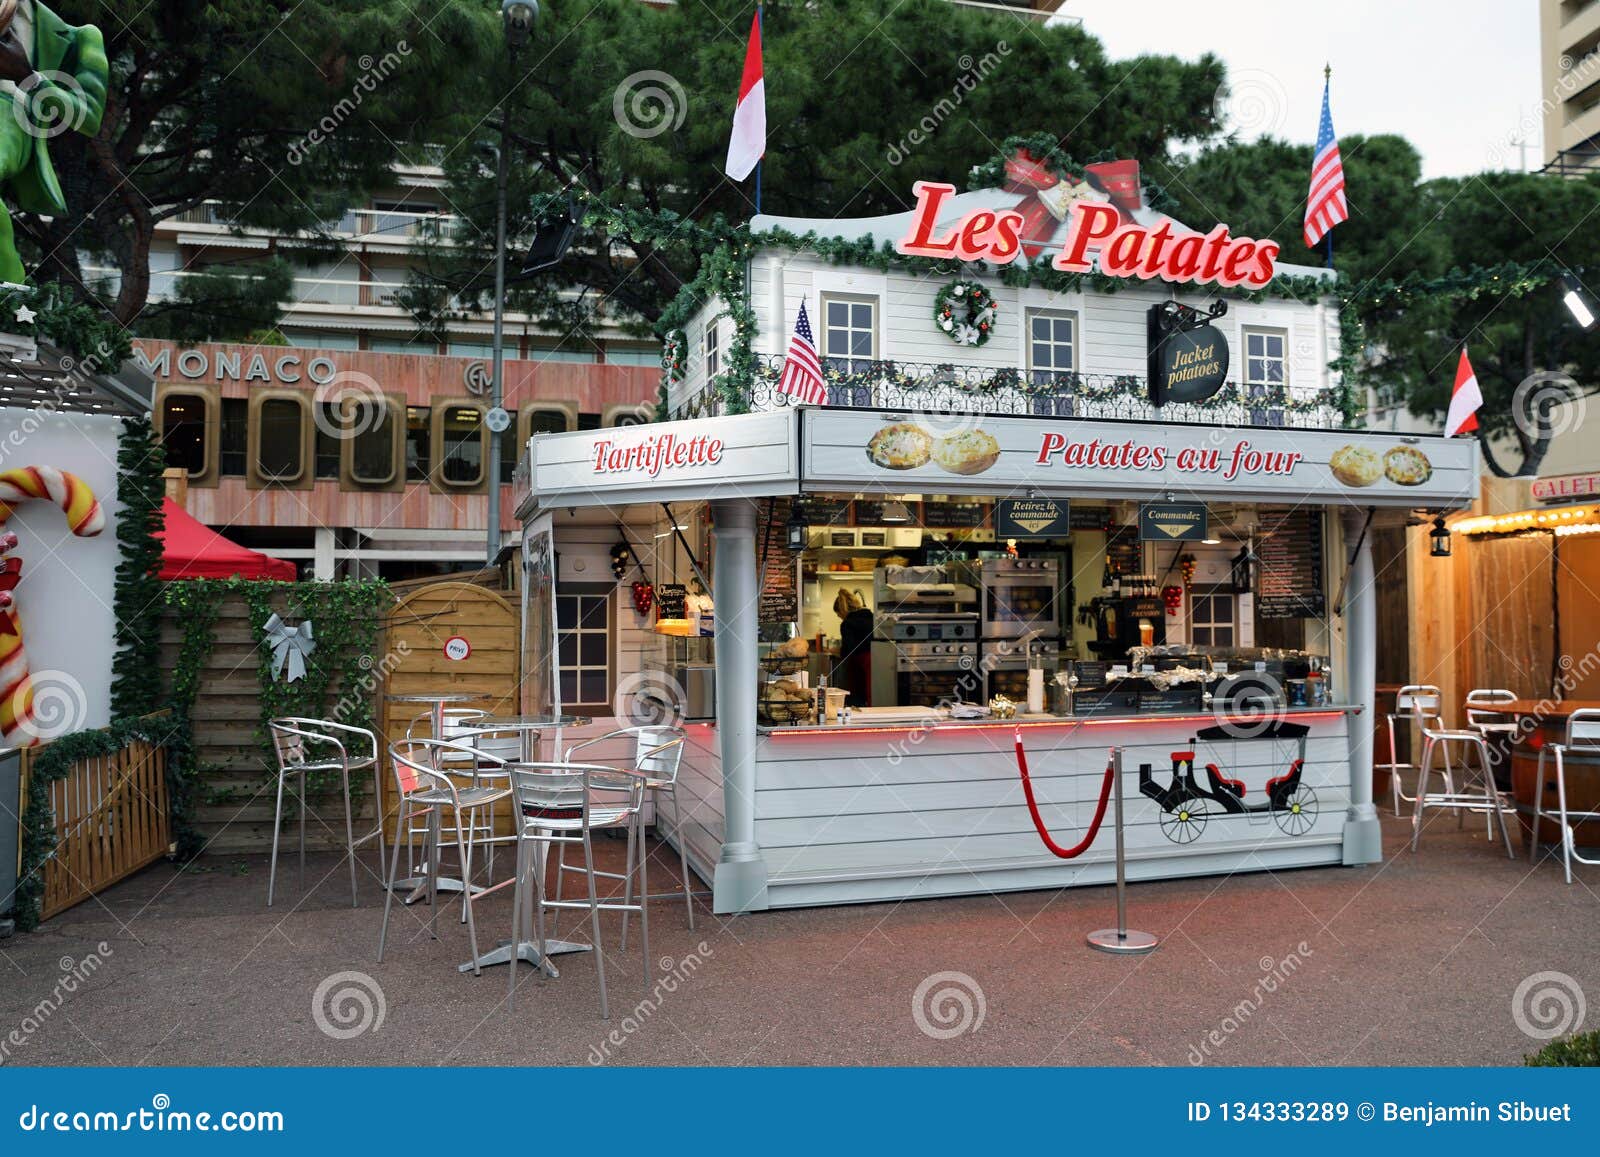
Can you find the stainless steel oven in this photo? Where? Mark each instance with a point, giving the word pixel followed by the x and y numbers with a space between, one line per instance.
pixel 925 674
pixel 1021 596
pixel 1005 666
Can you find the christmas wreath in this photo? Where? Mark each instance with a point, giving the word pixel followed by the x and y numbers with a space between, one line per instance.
pixel 966 311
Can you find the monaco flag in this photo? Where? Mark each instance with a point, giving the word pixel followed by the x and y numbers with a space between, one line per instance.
pixel 1464 400
pixel 749 138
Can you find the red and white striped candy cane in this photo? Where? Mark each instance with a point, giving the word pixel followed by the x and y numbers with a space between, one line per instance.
pixel 85 519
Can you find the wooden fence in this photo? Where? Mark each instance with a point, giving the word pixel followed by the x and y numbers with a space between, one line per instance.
pixel 111 819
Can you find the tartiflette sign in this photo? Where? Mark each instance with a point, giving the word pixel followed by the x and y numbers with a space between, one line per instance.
pixel 1125 249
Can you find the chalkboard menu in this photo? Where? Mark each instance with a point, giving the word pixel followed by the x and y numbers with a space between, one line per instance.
pixel 670 601
pixel 1123 550
pixel 1089 517
pixel 825 511
pixel 952 515
pixel 780 602
pixel 1289 583
pixel 869 513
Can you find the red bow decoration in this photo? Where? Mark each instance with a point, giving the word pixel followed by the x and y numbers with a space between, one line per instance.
pixel 1042 211
pixel 10 575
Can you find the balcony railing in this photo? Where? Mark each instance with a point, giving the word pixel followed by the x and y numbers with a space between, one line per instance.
pixel 946 388
pixel 361 224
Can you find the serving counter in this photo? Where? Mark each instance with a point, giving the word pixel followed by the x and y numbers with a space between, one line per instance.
pixel 869 811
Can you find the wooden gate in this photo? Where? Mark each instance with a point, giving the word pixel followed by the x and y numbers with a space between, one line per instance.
pixel 451 637
pixel 111 819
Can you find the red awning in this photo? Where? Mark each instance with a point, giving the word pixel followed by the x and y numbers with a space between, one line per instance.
pixel 191 550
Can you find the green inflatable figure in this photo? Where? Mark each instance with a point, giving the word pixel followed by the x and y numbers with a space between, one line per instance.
pixel 52 80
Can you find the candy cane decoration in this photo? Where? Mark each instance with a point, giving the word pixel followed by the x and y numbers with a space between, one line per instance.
pixel 85 519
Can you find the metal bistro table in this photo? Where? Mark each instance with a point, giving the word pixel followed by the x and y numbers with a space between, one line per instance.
pixel 416 886
pixel 530 726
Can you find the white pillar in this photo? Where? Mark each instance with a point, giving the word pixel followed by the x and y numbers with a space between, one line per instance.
pixel 1363 837
pixel 322 564
pixel 740 881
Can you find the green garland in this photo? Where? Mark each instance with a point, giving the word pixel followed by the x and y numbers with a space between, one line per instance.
pixel 136 599
pixel 38 823
pixel 347 618
pixel 91 337
pixel 981 312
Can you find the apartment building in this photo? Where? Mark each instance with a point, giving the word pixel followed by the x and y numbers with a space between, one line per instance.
pixel 1569 49
pixel 359 448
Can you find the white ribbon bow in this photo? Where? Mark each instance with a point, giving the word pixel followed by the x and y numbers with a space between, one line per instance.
pixel 290 648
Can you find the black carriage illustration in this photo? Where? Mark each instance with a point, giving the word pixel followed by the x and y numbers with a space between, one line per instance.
pixel 1187 806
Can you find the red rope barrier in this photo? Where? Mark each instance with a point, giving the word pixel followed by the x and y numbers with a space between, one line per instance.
pixel 1038 821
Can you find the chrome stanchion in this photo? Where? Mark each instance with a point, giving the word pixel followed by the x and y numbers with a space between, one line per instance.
pixel 1120 940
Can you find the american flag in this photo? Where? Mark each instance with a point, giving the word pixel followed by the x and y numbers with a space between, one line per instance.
pixel 1325 205
pixel 802 373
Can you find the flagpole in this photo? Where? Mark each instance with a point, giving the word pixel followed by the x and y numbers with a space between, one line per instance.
pixel 761 28
pixel 1327 85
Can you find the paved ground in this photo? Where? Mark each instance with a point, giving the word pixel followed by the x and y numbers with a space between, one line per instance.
pixel 1416 961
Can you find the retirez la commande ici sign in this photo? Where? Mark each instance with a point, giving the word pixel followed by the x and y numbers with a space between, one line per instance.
pixel 1125 248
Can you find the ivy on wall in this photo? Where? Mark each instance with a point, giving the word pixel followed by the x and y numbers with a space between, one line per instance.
pixel 136 598
pixel 347 619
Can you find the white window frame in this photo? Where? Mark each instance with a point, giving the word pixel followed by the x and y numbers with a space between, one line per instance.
pixel 1263 331
pixel 1209 624
pixel 1067 315
pixel 609 631
pixel 874 301
pixel 711 349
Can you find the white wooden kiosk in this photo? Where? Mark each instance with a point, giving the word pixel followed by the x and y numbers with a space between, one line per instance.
pixel 823 814
pixel 1045 375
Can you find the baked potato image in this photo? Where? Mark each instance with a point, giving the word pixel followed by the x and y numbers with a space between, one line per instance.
pixel 900 446
pixel 1356 465
pixel 969 452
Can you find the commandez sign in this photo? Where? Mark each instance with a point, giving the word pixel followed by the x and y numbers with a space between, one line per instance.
pixel 1126 249
pixel 656 453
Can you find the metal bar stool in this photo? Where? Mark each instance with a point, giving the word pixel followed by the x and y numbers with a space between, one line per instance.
pixel 328 752
pixel 1415 703
pixel 1460 800
pixel 557 803
pixel 657 755
pixel 1583 732
pixel 1484 715
pixel 425 791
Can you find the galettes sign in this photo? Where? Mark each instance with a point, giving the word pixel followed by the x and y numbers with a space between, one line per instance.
pixel 1125 249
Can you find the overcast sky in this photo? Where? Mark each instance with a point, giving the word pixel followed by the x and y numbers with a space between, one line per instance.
pixel 1458 78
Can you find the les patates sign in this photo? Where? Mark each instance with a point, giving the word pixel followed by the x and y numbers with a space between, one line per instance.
pixel 1126 249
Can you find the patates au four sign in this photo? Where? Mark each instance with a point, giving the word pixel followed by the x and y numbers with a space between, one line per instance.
pixel 1126 248
pixel 885 452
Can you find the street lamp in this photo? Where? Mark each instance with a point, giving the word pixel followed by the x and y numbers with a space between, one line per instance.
pixel 1572 296
pixel 517 17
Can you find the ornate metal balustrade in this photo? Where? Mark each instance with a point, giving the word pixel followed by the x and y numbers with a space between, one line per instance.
pixel 947 388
